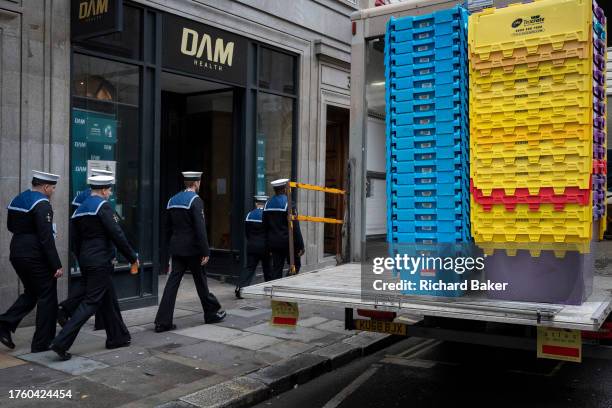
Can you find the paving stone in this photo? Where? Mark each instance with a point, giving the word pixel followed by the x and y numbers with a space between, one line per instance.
pixel 303 334
pixel 27 375
pixel 224 359
pixel 331 338
pixel 212 332
pixel 162 341
pixel 137 317
pixel 254 341
pixel 249 311
pixel 288 348
pixel 77 365
pixel 242 391
pixel 283 375
pixel 311 321
pixel 241 323
pixel 122 355
pixel 335 326
pixel 7 361
pixel 369 342
pixel 148 376
pixel 338 353
pixel 89 394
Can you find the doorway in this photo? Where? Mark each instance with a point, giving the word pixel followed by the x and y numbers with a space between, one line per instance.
pixel 336 158
pixel 197 134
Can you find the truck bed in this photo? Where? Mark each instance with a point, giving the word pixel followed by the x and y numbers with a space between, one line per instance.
pixel 340 286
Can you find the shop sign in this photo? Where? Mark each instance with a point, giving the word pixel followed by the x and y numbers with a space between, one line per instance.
pixel 203 50
pixel 92 18
pixel 94 136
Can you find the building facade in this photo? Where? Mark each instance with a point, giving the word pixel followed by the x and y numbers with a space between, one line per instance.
pixel 245 91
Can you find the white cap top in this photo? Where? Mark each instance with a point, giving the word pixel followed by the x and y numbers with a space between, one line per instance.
pixel 192 175
pixel 42 176
pixel 100 180
pixel 101 172
pixel 279 182
pixel 261 198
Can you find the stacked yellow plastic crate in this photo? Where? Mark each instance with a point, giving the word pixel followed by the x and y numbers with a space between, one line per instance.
pixel 531 128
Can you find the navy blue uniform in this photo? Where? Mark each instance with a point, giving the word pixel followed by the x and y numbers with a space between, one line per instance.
pixel 70 304
pixel 277 234
pixel 96 233
pixel 256 248
pixel 187 244
pixel 35 259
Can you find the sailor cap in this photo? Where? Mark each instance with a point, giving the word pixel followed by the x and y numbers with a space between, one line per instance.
pixel 279 182
pixel 192 175
pixel 98 182
pixel 45 178
pixel 260 198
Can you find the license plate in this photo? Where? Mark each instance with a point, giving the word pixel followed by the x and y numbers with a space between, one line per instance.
pixel 380 327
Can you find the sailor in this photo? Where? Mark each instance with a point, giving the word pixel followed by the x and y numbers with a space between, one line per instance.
pixel 95 229
pixel 67 307
pixel 256 245
pixel 79 198
pixel 188 247
pixel 35 259
pixel 277 230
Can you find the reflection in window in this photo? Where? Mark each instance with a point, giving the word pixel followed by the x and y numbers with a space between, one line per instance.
pixel 125 43
pixel 105 134
pixel 274 140
pixel 276 71
pixel 375 77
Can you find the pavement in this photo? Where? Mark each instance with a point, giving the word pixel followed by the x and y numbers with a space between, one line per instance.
pixel 238 362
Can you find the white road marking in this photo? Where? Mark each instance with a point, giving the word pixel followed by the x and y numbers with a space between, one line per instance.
pixel 352 387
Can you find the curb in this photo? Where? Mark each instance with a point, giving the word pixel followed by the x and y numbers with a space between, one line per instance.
pixel 277 378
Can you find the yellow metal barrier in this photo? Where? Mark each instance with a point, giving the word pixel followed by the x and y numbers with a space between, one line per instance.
pixel 291 217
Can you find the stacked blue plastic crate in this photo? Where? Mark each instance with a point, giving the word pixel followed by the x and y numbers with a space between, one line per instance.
pixel 427 128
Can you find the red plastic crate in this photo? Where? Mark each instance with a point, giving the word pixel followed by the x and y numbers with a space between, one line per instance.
pixel 546 195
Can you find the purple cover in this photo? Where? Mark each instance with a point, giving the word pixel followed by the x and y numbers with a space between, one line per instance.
pixel 599 122
pixel 599 196
pixel 599 106
pixel 544 279
pixel 599 136
pixel 598 76
pixel 599 61
pixel 599 152
pixel 599 91
pixel 599 181
pixel 598 211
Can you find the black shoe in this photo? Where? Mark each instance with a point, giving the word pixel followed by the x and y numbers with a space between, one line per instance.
pixel 237 293
pixel 63 355
pixel 160 328
pixel 5 337
pixel 112 346
pixel 216 318
pixel 62 316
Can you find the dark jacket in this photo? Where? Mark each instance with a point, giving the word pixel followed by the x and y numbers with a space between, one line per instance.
pixel 277 228
pixel 96 233
pixel 255 232
pixel 30 219
pixel 186 226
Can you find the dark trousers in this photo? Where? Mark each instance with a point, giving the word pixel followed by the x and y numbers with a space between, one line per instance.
pixel 247 275
pixel 180 264
pixel 74 300
pixel 39 291
pixel 279 257
pixel 98 296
